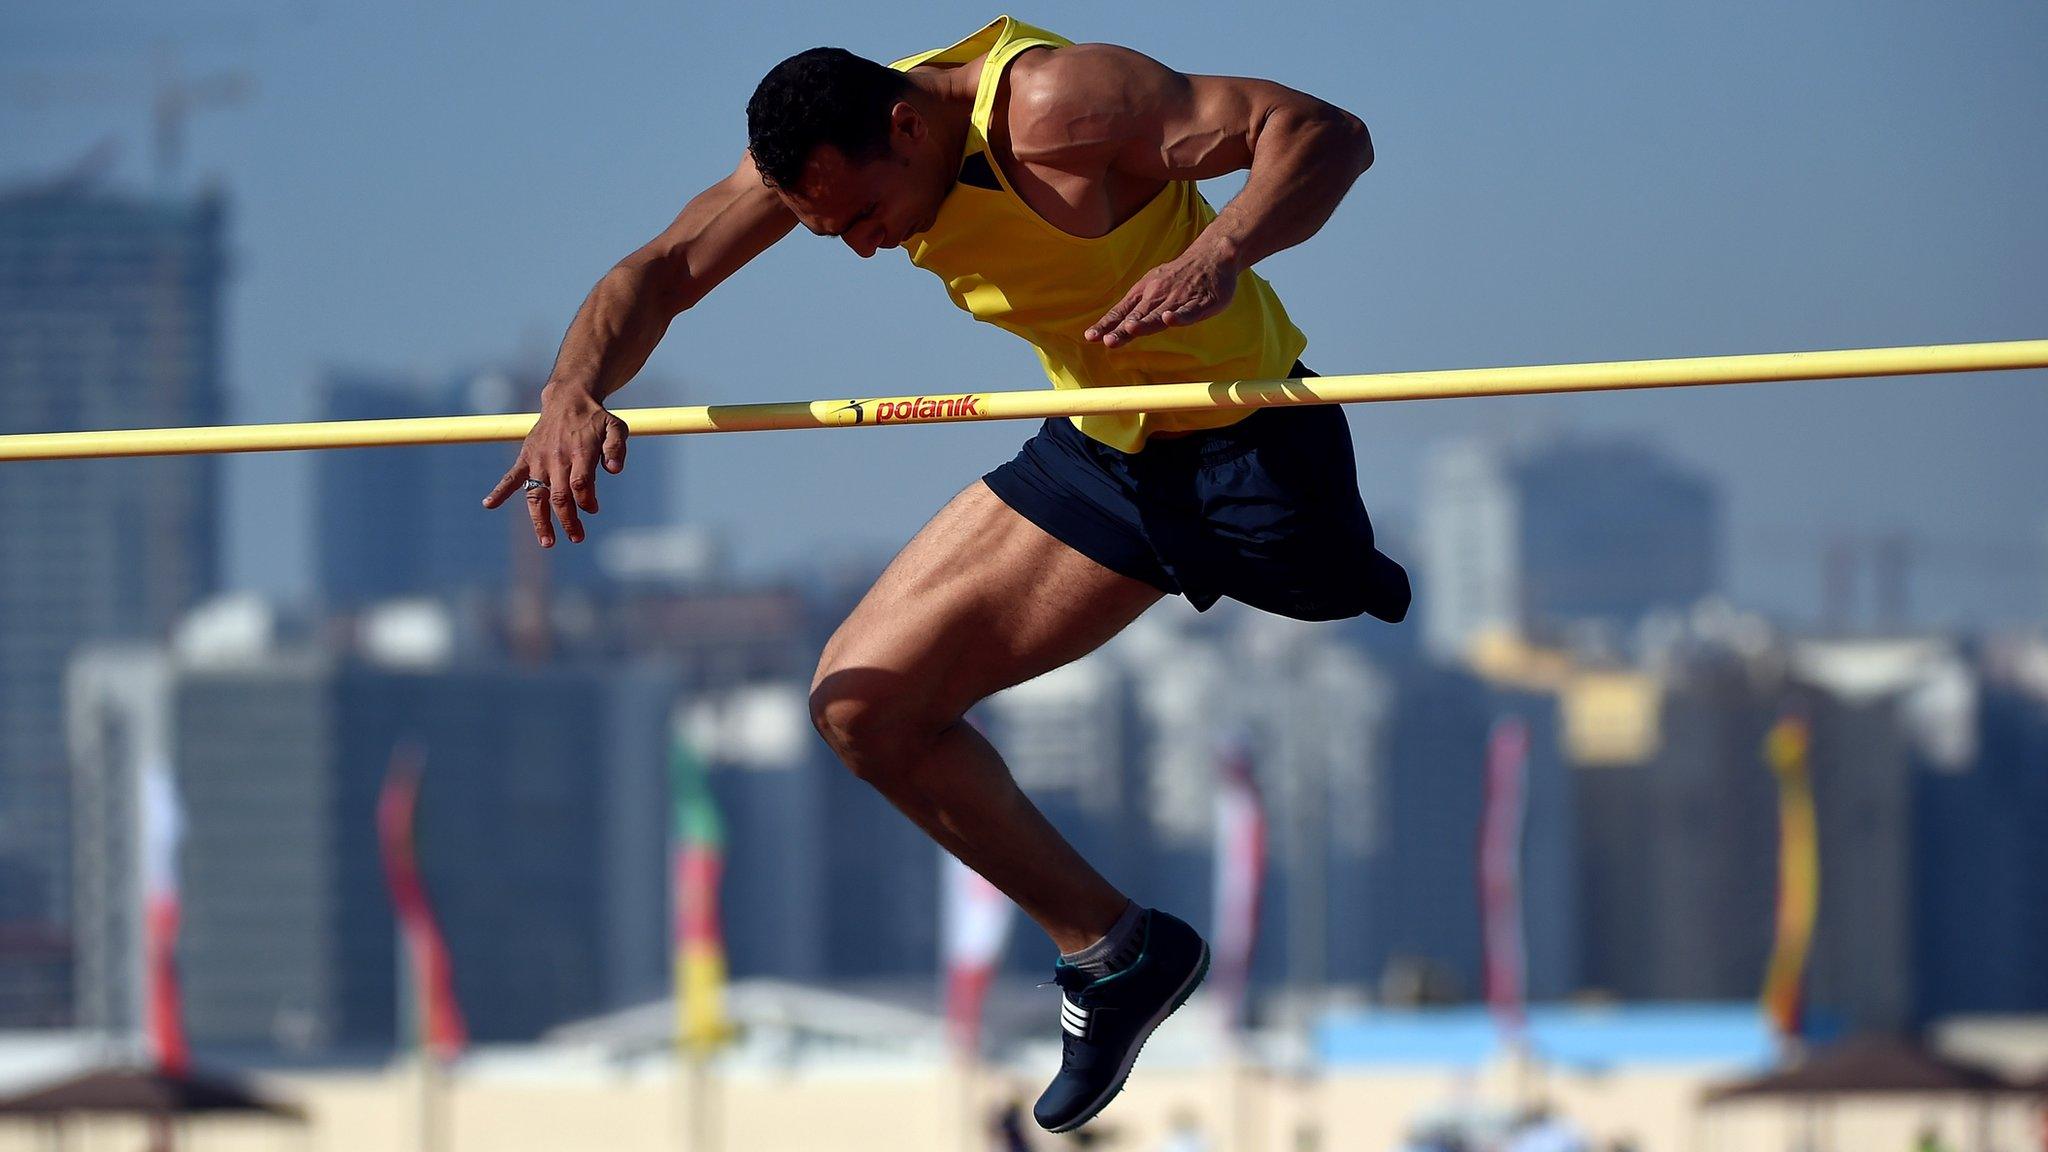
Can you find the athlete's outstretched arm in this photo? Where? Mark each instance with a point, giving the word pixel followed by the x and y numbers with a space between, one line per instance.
pixel 1101 104
pixel 621 321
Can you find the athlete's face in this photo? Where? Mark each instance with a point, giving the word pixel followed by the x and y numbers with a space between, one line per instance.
pixel 878 203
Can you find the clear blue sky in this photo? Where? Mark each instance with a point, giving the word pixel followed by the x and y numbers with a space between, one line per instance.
pixel 427 186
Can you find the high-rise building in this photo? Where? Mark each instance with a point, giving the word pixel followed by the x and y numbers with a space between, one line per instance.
pixel 117 712
pixel 1559 535
pixel 824 880
pixel 110 317
pixel 1408 898
pixel 1981 877
pixel 1372 777
pixel 393 522
pixel 1686 844
pixel 716 638
pixel 541 836
pixel 1864 768
pixel 1681 851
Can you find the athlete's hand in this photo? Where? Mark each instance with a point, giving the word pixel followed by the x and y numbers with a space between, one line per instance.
pixel 1174 295
pixel 573 435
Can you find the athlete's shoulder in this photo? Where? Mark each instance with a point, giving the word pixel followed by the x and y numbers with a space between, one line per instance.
pixel 1081 100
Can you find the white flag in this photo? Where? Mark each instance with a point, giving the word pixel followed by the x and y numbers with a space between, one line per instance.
pixel 1240 860
pixel 975 928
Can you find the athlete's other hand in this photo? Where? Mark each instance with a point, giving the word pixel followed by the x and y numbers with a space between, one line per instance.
pixel 1174 295
pixel 573 435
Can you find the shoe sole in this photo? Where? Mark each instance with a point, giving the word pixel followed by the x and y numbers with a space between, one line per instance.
pixel 1123 1073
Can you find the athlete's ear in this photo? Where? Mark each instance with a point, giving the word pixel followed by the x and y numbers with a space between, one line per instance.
pixel 905 121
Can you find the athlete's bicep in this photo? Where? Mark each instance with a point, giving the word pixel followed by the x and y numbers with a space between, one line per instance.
pixel 716 234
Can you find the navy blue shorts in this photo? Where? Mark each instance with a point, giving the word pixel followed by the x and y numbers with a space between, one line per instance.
pixel 1265 511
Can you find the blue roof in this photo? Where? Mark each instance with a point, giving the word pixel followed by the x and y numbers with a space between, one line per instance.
pixel 1588 1036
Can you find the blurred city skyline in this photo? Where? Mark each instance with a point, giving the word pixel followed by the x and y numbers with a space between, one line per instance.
pixel 415 192
pixel 1573 590
pixel 1699 686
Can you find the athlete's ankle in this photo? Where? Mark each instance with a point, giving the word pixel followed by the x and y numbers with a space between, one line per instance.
pixel 1115 949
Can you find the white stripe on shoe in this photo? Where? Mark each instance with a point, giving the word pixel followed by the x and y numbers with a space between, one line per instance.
pixel 1073 1018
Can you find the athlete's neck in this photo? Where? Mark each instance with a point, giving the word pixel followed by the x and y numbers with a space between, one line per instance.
pixel 945 98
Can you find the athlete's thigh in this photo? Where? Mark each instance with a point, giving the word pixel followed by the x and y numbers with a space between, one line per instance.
pixel 979 600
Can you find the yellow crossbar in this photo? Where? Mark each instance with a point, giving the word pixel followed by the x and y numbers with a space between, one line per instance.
pixel 937 408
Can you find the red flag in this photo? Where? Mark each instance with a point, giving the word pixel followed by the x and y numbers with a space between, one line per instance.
pixel 163 825
pixel 975 918
pixel 1240 862
pixel 1500 873
pixel 439 1024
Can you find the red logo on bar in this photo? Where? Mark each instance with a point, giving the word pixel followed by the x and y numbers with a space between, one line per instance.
pixel 954 407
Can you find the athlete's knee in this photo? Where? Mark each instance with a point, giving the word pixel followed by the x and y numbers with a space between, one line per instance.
pixel 875 726
pixel 847 719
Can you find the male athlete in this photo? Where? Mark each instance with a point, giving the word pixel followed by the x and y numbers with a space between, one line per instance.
pixel 1051 186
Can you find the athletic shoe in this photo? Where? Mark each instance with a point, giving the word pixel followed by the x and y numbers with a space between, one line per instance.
pixel 1106 1021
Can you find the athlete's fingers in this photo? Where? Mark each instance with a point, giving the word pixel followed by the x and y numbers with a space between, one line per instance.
pixel 1109 321
pixel 563 504
pixel 1133 328
pixel 615 432
pixel 1200 308
pixel 1138 322
pixel 537 508
pixel 507 485
pixel 1172 305
pixel 1141 318
pixel 582 481
pixel 1115 316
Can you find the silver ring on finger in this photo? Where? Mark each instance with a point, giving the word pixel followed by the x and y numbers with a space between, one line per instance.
pixel 532 484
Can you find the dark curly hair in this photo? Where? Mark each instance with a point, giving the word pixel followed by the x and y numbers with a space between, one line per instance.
pixel 823 96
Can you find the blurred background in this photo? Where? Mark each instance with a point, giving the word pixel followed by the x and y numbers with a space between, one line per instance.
pixel 1699 805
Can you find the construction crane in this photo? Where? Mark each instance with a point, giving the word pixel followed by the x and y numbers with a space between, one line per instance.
pixel 178 96
pixel 175 98
pixel 1888 561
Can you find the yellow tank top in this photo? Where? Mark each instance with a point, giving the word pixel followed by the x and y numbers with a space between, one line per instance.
pixel 1008 266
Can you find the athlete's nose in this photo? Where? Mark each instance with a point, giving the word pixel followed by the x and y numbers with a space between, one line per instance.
pixel 866 240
